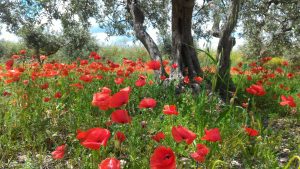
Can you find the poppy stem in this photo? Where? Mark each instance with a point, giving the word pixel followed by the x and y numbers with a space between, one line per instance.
pixel 100 153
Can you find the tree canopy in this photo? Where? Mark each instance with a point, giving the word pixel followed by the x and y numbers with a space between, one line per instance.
pixel 271 27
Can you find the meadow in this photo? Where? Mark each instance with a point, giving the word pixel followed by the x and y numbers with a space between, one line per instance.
pixel 107 110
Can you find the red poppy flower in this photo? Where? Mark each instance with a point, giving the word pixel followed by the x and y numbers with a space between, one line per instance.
pixel 57 95
pixel 287 101
pixel 252 64
pixel 9 64
pixel 285 63
pixel 256 90
pixel 249 77
pixel 170 109
pixel 99 77
pixel 5 93
pixel 245 105
pixel 212 135
pixel 112 64
pixel 186 80
pixel 43 57
pixel 163 158
pixel 44 86
pixel 147 103
pixel 298 95
pixel 183 134
pixel 154 65
pixel 59 152
pixel 251 132
pixel 165 62
pixel 86 78
pixel 281 86
pixel 15 57
pixel 198 79
pixel 22 52
pixel 158 136
pixel 150 82
pixel 77 85
pixel 120 72
pixel 119 80
pixel 105 90
pixel 120 116
pixel 120 136
pixel 200 154
pixel 265 59
pixel 110 163
pixel 84 62
pixel 93 138
pixel 236 70
pixel 174 65
pixel 102 99
pixel 64 72
pixel 279 70
pixel 163 77
pixel 290 75
pixel 120 98
pixel 25 82
pixel 240 64
pixel 94 55
pixel 140 82
pixel 47 99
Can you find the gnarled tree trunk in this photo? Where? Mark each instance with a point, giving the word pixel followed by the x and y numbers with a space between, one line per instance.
pixel 37 55
pixel 224 84
pixel 183 51
pixel 141 34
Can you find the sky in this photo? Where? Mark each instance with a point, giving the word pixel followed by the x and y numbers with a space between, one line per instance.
pixel 103 39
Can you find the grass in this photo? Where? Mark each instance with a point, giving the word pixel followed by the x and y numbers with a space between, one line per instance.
pixel 32 128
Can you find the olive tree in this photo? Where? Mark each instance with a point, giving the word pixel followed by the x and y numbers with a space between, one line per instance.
pixel 271 27
pixel 138 15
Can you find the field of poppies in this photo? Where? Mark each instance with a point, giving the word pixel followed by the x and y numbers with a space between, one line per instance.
pixel 102 112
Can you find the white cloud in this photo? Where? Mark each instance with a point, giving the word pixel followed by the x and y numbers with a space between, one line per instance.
pixel 153 33
pixel 7 36
pixel 93 22
pixel 56 26
pixel 102 38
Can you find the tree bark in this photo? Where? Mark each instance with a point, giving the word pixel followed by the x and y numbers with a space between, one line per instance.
pixel 37 55
pixel 183 51
pixel 142 35
pixel 224 84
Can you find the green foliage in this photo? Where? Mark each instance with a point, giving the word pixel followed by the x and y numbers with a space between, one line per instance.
pixel 116 53
pixel 7 49
pixel 275 62
pixel 206 60
pixel 271 28
pixel 43 42
pixel 79 45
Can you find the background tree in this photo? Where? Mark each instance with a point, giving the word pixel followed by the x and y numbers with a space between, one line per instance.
pixel 74 17
pixel 271 27
pixel 224 84
pixel 42 43
pixel 32 20
pixel 25 18
pixel 185 16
